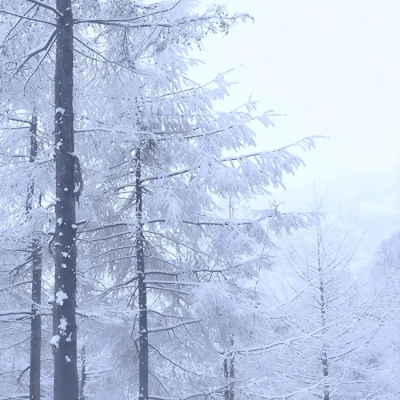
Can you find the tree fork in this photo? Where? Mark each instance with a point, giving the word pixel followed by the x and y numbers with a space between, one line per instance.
pixel 66 383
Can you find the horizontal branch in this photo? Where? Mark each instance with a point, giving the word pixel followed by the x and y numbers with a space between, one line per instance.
pixel 16 119
pixel 27 18
pixel 125 23
pixel 184 283
pixel 168 290
pixel 17 312
pixel 171 327
pixel 118 224
pixel 210 223
pixel 110 237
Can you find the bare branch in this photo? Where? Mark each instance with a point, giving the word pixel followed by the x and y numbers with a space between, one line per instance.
pixel 27 18
pixel 37 51
pixel 170 327
pixel 16 24
pixel 16 119
pixel 48 7
pixel 22 373
pixel 40 62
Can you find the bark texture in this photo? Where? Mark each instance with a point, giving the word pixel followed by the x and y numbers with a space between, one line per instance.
pixel 66 383
pixel 143 334
pixel 36 323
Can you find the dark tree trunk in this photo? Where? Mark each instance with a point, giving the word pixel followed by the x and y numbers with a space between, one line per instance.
pixel 229 371
pixel 36 329
pixel 143 335
pixel 83 375
pixel 325 367
pixel 66 383
pixel 36 323
pixel 226 375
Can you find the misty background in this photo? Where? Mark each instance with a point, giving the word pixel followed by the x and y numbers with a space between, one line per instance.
pixel 333 68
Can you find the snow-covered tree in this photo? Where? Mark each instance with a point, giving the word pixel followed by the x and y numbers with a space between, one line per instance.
pixel 383 283
pixel 320 330
pixel 156 159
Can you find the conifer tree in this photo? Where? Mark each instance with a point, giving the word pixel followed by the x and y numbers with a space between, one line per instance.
pixel 153 153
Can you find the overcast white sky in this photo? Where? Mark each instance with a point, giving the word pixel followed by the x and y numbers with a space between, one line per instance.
pixel 333 67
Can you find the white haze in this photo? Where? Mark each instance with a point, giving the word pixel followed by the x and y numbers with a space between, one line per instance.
pixel 333 69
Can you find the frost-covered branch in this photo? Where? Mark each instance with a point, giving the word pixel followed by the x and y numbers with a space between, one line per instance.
pixel 289 341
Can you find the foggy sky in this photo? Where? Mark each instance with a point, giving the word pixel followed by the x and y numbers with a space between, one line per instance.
pixel 334 69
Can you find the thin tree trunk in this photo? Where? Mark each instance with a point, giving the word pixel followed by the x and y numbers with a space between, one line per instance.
pixel 324 356
pixel 36 322
pixel 226 375
pixel 36 328
pixel 83 375
pixel 66 383
pixel 232 370
pixel 229 371
pixel 143 335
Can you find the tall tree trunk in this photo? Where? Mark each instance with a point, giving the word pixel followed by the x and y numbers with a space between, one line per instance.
pixel 324 356
pixel 36 328
pixel 36 322
pixel 143 334
pixel 66 383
